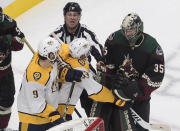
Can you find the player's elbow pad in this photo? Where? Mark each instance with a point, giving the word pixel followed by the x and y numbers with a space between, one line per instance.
pixel 70 75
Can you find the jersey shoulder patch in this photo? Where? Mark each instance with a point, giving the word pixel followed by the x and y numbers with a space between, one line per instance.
pixel 159 51
pixel 37 75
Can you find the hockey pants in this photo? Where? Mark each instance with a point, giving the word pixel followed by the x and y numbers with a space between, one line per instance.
pixel 7 91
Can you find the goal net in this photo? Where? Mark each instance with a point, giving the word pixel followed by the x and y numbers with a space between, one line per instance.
pixel 83 124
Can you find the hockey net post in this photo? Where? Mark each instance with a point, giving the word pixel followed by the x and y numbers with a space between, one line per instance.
pixel 82 124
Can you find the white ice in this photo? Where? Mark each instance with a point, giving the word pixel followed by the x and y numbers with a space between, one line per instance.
pixel 160 18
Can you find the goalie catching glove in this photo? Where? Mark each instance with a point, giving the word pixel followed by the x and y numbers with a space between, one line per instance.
pixel 125 89
pixel 70 75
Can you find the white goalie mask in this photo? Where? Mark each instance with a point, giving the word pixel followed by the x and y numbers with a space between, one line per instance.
pixel 49 48
pixel 132 28
pixel 80 48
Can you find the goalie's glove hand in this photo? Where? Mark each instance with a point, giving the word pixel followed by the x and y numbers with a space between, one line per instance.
pixel 101 66
pixel 55 118
pixel 126 89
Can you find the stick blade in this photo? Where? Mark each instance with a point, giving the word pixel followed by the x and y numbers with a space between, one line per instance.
pixel 160 127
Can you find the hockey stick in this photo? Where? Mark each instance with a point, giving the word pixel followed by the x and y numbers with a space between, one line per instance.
pixel 68 100
pixel 28 45
pixel 57 38
pixel 77 112
pixel 147 125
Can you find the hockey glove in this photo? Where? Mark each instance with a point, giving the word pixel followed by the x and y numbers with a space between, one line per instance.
pixel 126 89
pixel 101 66
pixel 55 118
pixel 70 75
pixel 17 32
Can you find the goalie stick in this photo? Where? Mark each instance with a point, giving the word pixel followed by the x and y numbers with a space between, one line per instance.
pixel 147 125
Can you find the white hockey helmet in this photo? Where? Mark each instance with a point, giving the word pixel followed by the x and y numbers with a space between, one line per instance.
pixel 80 48
pixel 49 48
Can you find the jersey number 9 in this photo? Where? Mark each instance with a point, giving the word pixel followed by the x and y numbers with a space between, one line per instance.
pixel 35 93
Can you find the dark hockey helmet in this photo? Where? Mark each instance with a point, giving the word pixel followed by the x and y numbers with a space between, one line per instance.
pixel 132 28
pixel 72 6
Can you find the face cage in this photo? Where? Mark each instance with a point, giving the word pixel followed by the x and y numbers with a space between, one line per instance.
pixel 131 33
pixel 52 56
pixel 85 55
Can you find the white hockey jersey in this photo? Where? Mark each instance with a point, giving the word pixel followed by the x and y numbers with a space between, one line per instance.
pixel 95 90
pixel 38 93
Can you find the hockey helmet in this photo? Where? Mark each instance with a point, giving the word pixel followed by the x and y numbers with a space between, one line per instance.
pixel 49 48
pixel 72 6
pixel 80 48
pixel 132 28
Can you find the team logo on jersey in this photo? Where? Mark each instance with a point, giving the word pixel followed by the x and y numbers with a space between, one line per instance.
pixel 50 42
pixel 159 51
pixel 82 62
pixel 127 69
pixel 37 75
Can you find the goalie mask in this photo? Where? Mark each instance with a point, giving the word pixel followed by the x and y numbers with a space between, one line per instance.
pixel 80 48
pixel 132 28
pixel 49 48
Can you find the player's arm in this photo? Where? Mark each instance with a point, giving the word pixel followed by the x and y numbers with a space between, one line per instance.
pixel 16 44
pixel 99 93
pixel 59 32
pixel 12 27
pixel 69 75
pixel 95 52
pixel 153 76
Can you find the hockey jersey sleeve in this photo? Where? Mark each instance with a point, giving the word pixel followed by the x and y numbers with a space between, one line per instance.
pixel 16 45
pixel 153 76
pixel 95 44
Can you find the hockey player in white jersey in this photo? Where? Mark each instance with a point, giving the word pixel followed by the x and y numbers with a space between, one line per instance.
pixel 38 92
pixel 75 54
pixel 72 29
